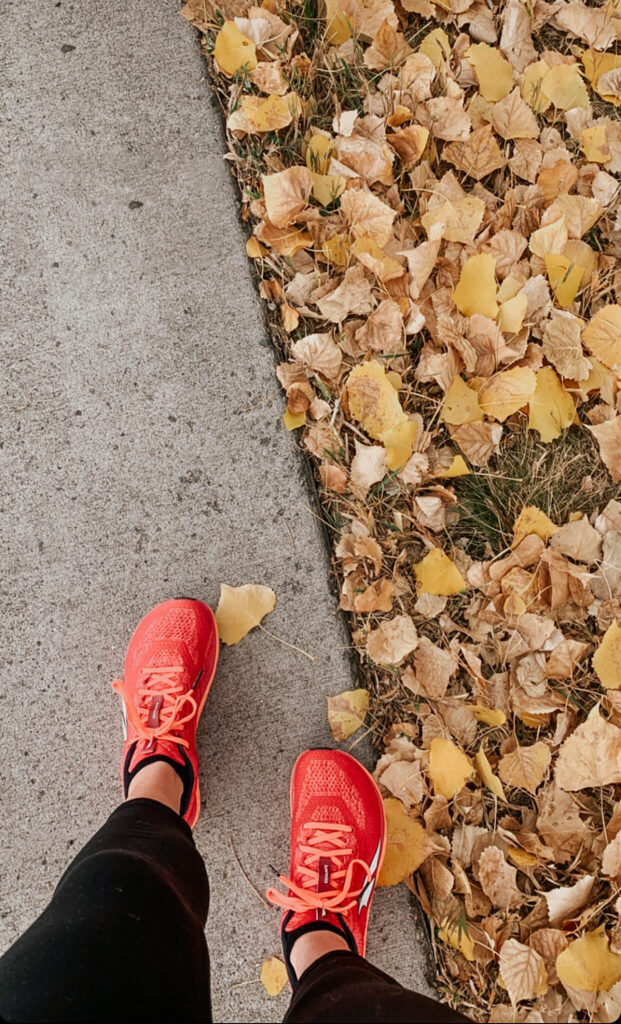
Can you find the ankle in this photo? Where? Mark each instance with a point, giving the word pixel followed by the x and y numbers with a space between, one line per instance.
pixel 157 781
pixel 313 945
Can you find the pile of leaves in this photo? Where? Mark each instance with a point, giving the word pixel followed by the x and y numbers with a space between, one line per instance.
pixel 431 188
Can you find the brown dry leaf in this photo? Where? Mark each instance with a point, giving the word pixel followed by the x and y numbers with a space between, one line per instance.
pixel 478 441
pixel 457 221
pixel 273 975
pixel 366 215
pixel 525 767
pixel 347 712
pixel 591 756
pixel 562 345
pixel 512 118
pixel 578 540
pixel 392 641
pixel 334 478
pixel 559 823
pixel 608 437
pixel 523 971
pixel 409 144
pixel 383 330
pixel 405 781
pixel 449 768
pixel 498 879
pixel 378 597
pixel 564 902
pixel 447 119
pixel 353 295
pixel 319 353
pixel 286 194
pixel 368 467
pixel 549 942
pixel 434 668
pixel 388 49
pixel 565 658
pixel 478 156
pixel 407 845
pixel 611 858
pixel 240 609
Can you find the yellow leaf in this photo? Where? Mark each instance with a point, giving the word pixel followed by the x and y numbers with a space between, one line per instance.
pixel 551 408
pixel 602 336
pixel 233 50
pixel 476 289
pixel 594 145
pixel 273 113
pixel 461 404
pixel 240 609
pixel 564 87
pixel 327 187
pixel 484 769
pixel 385 267
pixel 457 937
pixel 339 26
pixel 596 378
pixel 436 46
pixel 596 65
pixel 490 716
pixel 551 238
pixel 532 520
pixel 507 392
pixel 458 467
pixel 346 712
pixel 588 964
pixel 494 73
pixel 273 975
pixel 565 278
pixel 399 443
pixel 254 249
pixel 530 87
pixel 286 241
pixel 457 220
pixel 449 768
pixel 521 858
pixel 437 574
pixel 512 313
pixel 607 658
pixel 318 153
pixel 293 420
pixel 406 844
pixel 335 250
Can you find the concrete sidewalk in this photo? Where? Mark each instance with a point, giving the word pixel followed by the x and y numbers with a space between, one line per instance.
pixel 142 457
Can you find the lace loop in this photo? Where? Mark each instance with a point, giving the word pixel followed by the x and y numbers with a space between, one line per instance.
pixel 326 841
pixel 162 693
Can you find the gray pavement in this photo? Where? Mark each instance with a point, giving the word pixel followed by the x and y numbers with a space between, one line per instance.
pixel 141 457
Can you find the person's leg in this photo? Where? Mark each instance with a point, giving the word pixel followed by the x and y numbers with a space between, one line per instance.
pixel 123 936
pixel 338 837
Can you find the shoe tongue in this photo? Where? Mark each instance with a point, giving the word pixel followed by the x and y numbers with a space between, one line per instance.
pixel 154 749
pixel 310 917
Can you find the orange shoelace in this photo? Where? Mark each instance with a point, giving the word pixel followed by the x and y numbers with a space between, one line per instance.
pixel 327 841
pixel 161 702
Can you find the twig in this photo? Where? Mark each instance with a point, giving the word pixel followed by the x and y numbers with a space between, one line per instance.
pixel 251 884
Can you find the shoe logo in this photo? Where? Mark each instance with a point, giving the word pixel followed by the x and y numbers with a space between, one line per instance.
pixel 365 896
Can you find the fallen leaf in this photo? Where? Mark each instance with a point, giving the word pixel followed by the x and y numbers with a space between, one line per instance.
pixel 476 290
pixel 608 437
pixel 523 971
pixel 562 345
pixel 484 769
pixel 602 336
pixel 286 194
pixel 368 467
pixel 591 756
pixel 607 658
pixel 532 520
pixel 551 408
pixel 406 844
pixel 353 295
pixel 233 51
pixel 507 392
pixel 437 574
pixel 564 902
pixel 588 964
pixel 494 73
pixel 366 215
pixel 347 712
pixel 449 768
pixel 525 767
pixel 578 540
pixel 240 609
pixel 392 641
pixel 498 879
pixel 273 975
pixel 461 404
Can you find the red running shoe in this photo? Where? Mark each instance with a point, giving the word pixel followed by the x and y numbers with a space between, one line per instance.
pixel 338 839
pixel 169 667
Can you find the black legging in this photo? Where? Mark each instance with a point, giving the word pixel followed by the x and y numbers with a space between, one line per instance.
pixel 123 939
